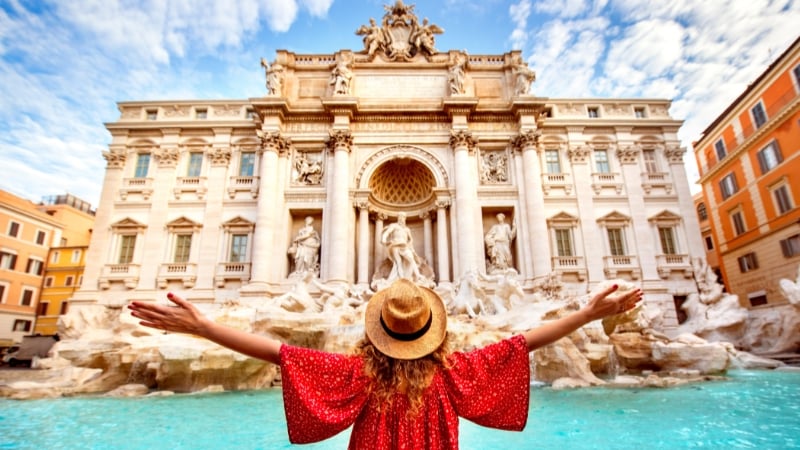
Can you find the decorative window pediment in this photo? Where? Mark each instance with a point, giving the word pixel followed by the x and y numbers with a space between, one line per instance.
pixel 183 224
pixel 128 224
pixel 614 218
pixel 562 219
pixel 666 218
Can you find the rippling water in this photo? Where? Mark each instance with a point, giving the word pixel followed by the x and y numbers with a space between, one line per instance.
pixel 754 409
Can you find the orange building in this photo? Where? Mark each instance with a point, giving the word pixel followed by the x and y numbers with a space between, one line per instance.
pixel 749 162
pixel 63 271
pixel 26 235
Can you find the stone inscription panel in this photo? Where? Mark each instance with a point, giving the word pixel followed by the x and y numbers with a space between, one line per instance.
pixel 401 86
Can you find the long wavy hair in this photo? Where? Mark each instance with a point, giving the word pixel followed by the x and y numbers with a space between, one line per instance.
pixel 390 376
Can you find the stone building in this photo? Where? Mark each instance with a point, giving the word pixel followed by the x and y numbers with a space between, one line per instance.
pixel 231 199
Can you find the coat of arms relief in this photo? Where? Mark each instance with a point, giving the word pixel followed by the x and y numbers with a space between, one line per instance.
pixel 401 36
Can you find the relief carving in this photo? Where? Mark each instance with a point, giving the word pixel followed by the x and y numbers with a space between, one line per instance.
pixel 400 37
pixel 309 170
pixel 494 168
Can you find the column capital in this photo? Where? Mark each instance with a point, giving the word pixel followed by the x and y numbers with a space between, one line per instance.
pixel 579 154
pixel 166 157
pixel 220 156
pixel 340 139
pixel 461 138
pixel 115 158
pixel 443 203
pixel 272 141
pixel 629 154
pixel 675 154
pixel 526 139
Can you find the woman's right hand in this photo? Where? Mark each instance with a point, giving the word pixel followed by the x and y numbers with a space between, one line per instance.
pixel 184 317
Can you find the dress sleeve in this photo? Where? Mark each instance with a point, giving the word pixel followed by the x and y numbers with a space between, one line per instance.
pixel 323 393
pixel 491 386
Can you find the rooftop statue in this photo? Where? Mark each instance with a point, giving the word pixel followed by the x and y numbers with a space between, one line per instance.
pixel 401 36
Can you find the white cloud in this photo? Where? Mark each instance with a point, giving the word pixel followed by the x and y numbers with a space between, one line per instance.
pixel 317 8
pixel 519 13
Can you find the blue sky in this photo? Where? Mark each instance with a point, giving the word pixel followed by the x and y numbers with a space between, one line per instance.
pixel 65 64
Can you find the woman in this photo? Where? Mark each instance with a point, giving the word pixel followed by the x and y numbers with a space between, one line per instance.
pixel 402 388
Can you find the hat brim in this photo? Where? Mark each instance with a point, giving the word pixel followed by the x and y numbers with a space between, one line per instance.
pixel 398 349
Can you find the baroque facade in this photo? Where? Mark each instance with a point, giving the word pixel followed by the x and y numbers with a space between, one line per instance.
pixel 217 200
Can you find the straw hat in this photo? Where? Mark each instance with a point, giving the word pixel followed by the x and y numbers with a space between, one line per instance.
pixel 406 321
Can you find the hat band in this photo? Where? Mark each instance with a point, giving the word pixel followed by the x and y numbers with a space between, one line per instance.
pixel 408 336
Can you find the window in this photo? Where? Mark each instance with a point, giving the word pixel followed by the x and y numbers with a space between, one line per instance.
pixel 80 280
pixel 757 298
pixel 601 161
pixel 738 223
pixel 709 243
pixel 8 260
pixel 76 256
pixel 564 242
pixel 201 113
pixel 791 246
pixel 796 72
pixel 2 293
pixel 759 115
pixel 142 165
pixel 719 146
pixel 152 114
pixel 552 161
pixel 22 325
pixel 127 244
pixel 247 163
pixel 238 248
pixel 48 282
pixel 64 308
pixel 639 112
pixel 41 310
pixel 27 297
pixel 54 257
pixel 34 266
pixel 68 280
pixel 667 237
pixel 783 200
pixel 650 164
pixel 183 247
pixel 748 262
pixel 594 112
pixel 769 157
pixel 40 236
pixel 616 243
pixel 728 185
pixel 13 229
pixel 702 213
pixel 195 164
pixel 251 113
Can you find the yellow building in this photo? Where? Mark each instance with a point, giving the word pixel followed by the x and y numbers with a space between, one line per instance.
pixel 26 235
pixel 749 160
pixel 64 267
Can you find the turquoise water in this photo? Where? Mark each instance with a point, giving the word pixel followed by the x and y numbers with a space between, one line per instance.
pixel 754 409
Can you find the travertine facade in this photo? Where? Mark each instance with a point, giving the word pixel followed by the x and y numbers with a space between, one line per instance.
pixel 205 198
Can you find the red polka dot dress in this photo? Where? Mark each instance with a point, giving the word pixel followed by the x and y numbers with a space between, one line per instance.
pixel 325 393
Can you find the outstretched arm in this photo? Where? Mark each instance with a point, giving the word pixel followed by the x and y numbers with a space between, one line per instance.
pixel 599 306
pixel 186 318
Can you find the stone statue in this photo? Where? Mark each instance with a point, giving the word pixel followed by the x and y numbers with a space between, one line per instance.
pixel 299 299
pixel 791 289
pixel 455 76
pixel 274 74
pixel 709 289
pixel 400 249
pixel 305 249
pixel 373 37
pixel 422 37
pixel 340 78
pixel 308 171
pixel 498 245
pixel 523 77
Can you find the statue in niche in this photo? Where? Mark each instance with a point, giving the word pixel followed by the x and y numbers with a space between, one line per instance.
pixel 400 249
pixel 523 77
pixel 374 37
pixel 455 76
pixel 308 171
pixel 498 245
pixel 341 77
pixel 274 74
pixel 494 168
pixel 305 249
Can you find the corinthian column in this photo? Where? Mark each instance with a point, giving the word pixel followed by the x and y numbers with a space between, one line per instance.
pixel 363 243
pixel 442 244
pixel 340 143
pixel 272 145
pixel 463 146
pixel 526 142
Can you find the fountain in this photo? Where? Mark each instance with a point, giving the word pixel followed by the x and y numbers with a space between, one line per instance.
pixel 104 349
